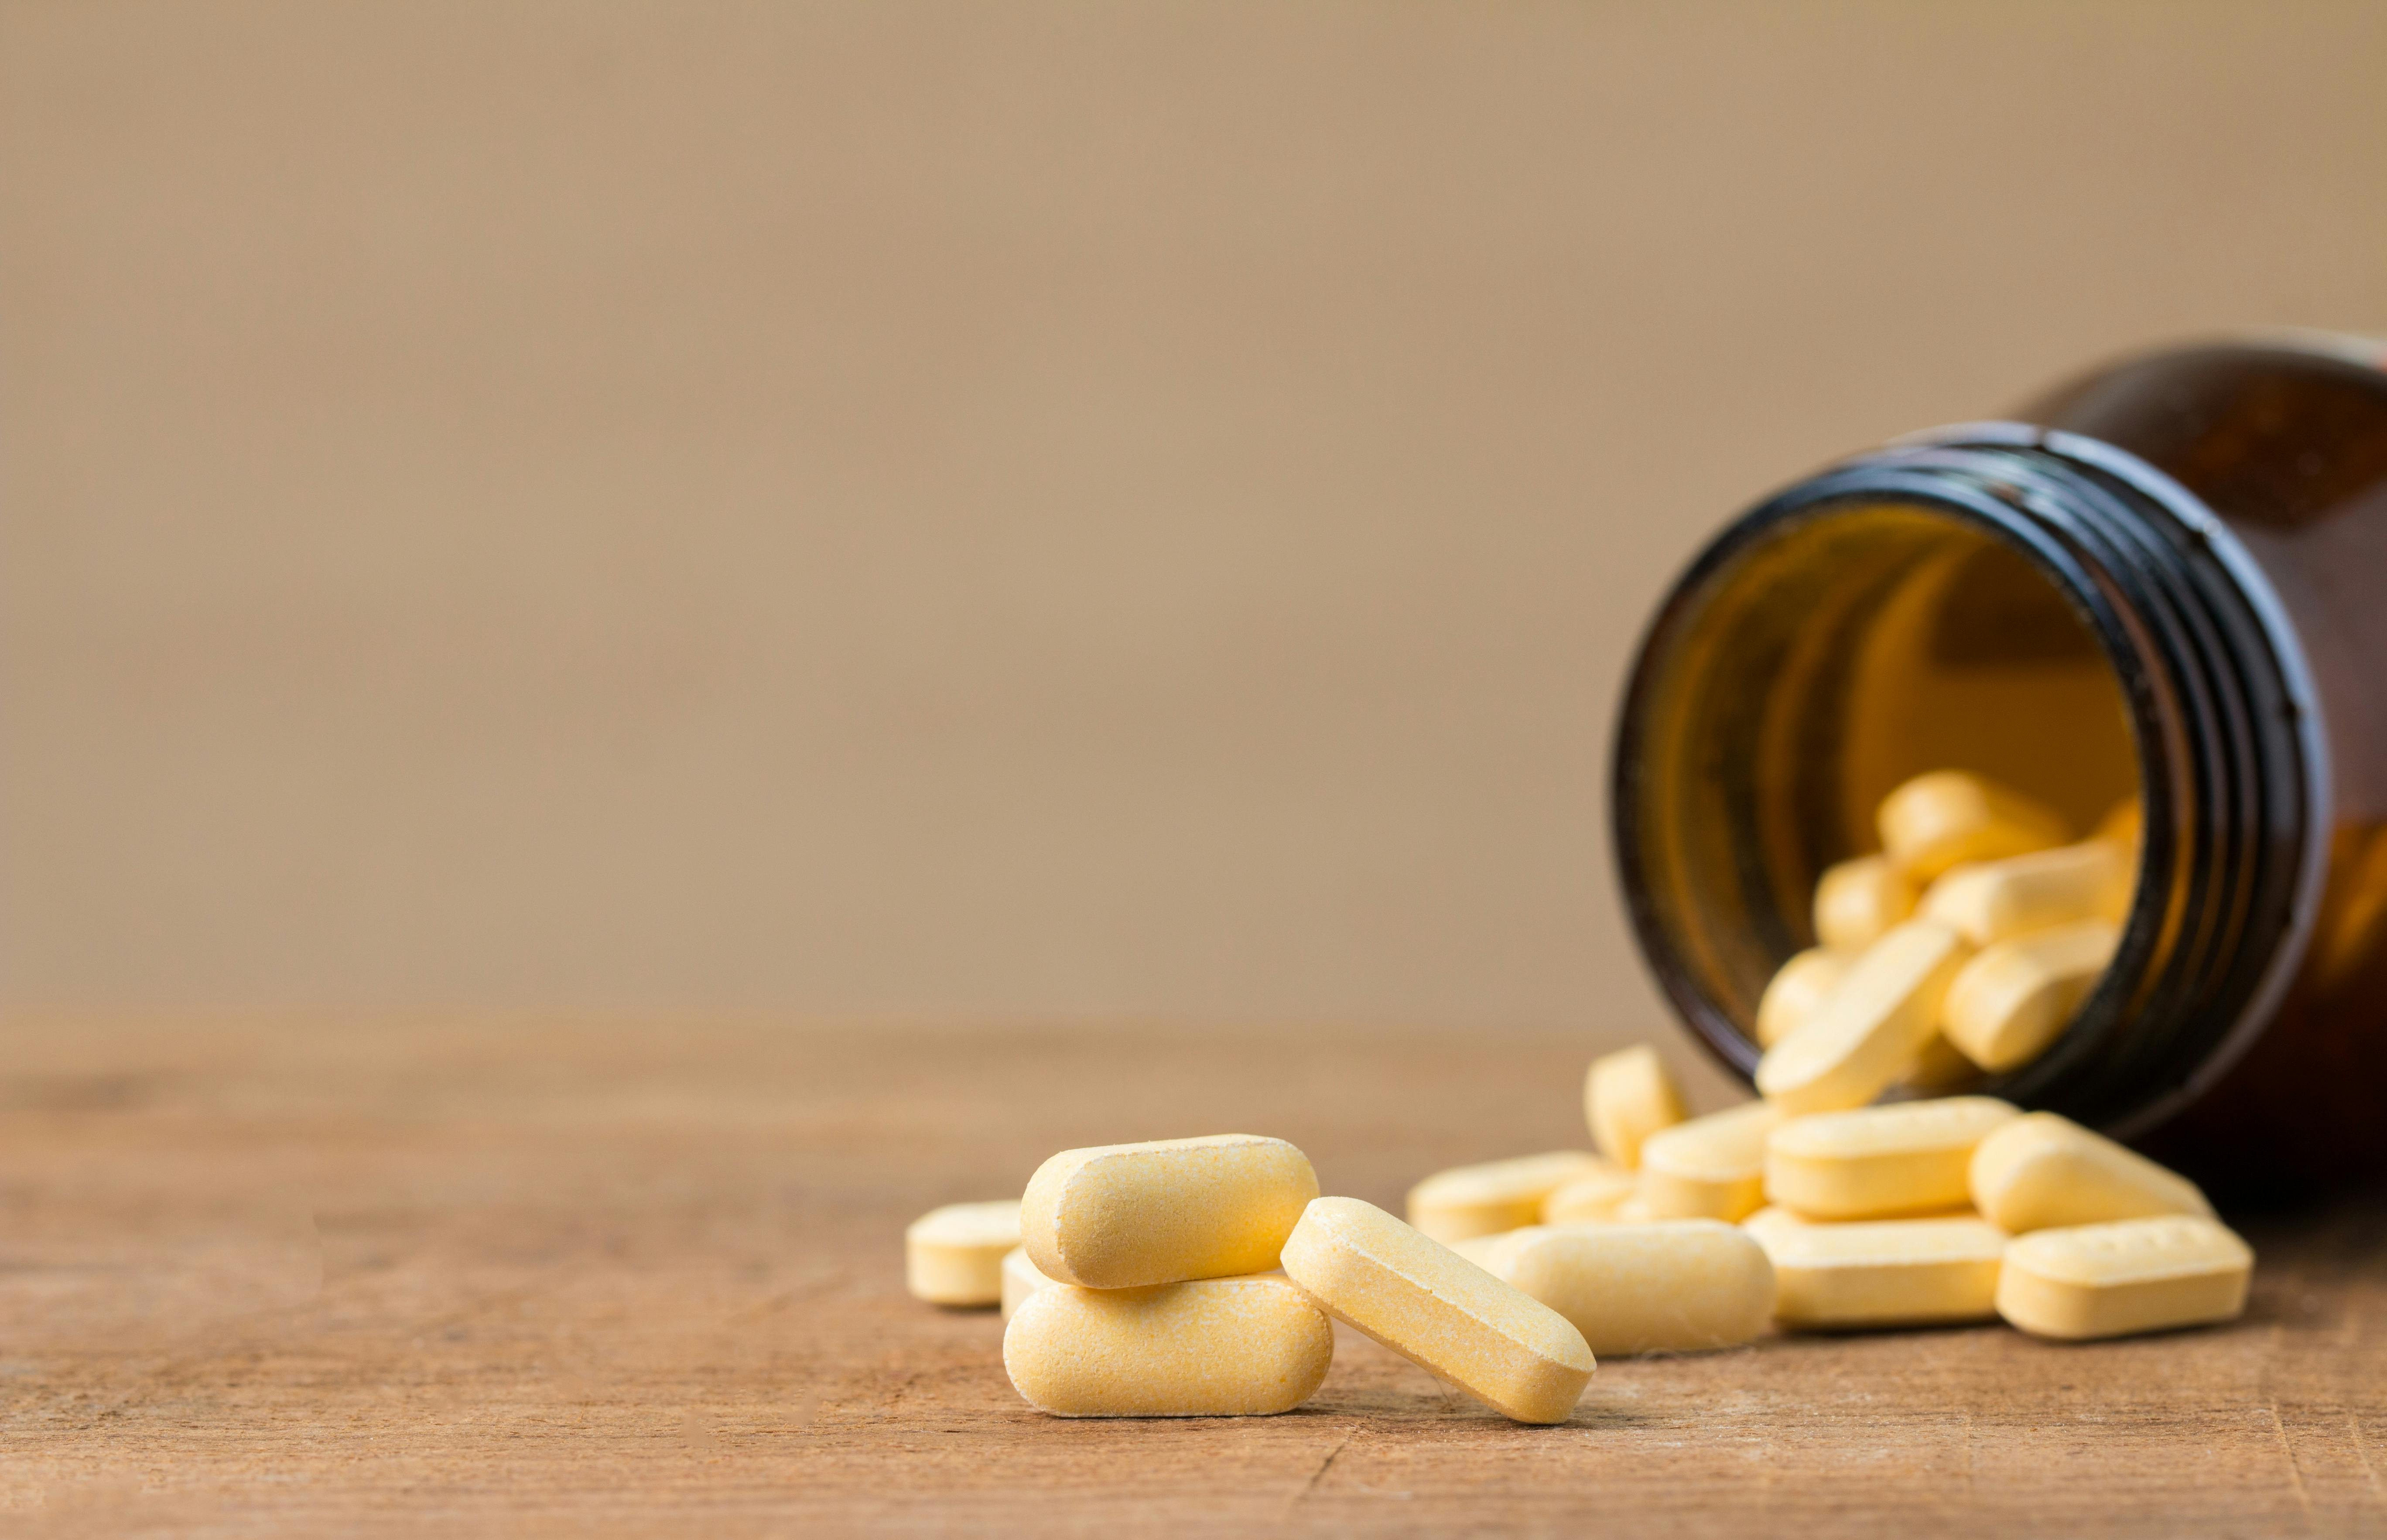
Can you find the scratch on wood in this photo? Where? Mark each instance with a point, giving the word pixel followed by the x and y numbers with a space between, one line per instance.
pixel 2296 1476
pixel 2361 1455
pixel 1323 1466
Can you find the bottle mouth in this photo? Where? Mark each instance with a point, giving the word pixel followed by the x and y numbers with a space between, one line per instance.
pixel 2001 598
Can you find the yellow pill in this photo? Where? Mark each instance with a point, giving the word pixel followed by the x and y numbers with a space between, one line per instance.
pixel 1121 1216
pixel 1478 1248
pixel 954 1254
pixel 1884 1272
pixel 1675 1286
pixel 1591 1198
pixel 1497 1195
pixel 1909 1157
pixel 1439 1310
pixel 2124 824
pixel 1799 987
pixel 1873 1027
pixel 2010 1000
pixel 1020 1278
pixel 1211 1347
pixel 2135 1275
pixel 1858 899
pixel 2043 1172
pixel 1634 1210
pixel 1627 1096
pixel 1711 1167
pixel 1989 901
pixel 1937 820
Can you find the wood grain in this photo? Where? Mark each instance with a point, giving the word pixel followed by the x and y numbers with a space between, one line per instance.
pixel 530 1279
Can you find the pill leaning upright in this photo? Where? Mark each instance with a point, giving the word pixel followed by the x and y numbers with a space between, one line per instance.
pixel 1428 1304
pixel 1872 1029
pixel 1121 1216
pixel 1210 1347
pixel 1627 1096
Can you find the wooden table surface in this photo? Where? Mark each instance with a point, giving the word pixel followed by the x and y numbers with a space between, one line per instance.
pixel 527 1280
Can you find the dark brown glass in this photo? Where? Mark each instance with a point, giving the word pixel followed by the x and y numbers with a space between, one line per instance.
pixel 2166 579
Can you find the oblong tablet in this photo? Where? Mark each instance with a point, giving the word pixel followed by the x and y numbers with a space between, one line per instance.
pixel 1989 900
pixel 1884 1272
pixel 1497 1195
pixel 1121 1216
pixel 1591 1198
pixel 1711 1167
pixel 1799 987
pixel 2135 1275
pixel 954 1254
pixel 2007 1003
pixel 1627 1096
pixel 1020 1278
pixel 2043 1172
pixel 1857 902
pixel 1873 1026
pixel 1675 1286
pixel 1439 1310
pixel 1210 1347
pixel 1872 1163
pixel 1937 820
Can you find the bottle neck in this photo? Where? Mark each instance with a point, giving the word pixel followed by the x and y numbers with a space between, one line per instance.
pixel 2230 776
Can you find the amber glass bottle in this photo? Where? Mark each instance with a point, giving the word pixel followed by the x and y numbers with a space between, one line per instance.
pixel 2167 577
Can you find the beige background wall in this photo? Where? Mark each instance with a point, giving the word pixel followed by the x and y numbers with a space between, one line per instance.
pixel 996 510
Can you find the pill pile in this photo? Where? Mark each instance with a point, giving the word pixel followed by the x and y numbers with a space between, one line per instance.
pixel 1969 939
pixel 1198 1277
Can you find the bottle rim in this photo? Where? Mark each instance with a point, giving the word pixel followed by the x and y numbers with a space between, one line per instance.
pixel 2236 843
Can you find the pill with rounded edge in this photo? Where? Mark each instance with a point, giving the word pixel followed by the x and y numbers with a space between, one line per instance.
pixel 1711 1167
pixel 1873 1027
pixel 2043 1172
pixel 1210 1347
pixel 1674 1286
pixel 1627 1096
pixel 1872 1163
pixel 1884 1272
pixel 1439 1310
pixel 1497 1195
pixel 954 1254
pixel 1020 1278
pixel 1989 901
pixel 1857 901
pixel 1796 990
pixel 1937 820
pixel 1121 1216
pixel 1591 1198
pixel 2133 1275
pixel 2010 1000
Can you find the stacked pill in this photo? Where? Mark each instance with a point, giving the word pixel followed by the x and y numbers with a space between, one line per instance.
pixel 1969 941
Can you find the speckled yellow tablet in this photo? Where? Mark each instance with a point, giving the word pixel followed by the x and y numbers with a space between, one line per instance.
pixel 1496 1195
pixel 1937 820
pixel 1798 987
pixel 1210 1347
pixel 1858 901
pixel 1884 1272
pixel 1674 1286
pixel 1020 1278
pixel 1439 1310
pixel 1873 1027
pixel 1711 1167
pixel 2135 1275
pixel 2008 1002
pixel 954 1254
pixel 1591 1198
pixel 1873 1163
pixel 1121 1216
pixel 1627 1096
pixel 2043 1172
pixel 1989 901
